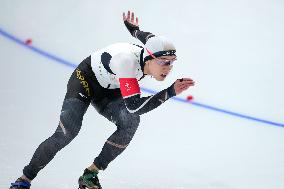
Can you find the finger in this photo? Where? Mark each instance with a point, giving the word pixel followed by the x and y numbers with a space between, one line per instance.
pixel 187 79
pixel 181 90
pixel 137 21
pixel 184 79
pixel 178 84
pixel 184 88
pixel 186 85
pixel 124 17
pixel 184 82
pixel 190 83
pixel 128 15
pixel 132 17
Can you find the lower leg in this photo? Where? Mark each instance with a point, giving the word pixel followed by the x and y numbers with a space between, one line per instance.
pixel 69 126
pixel 108 154
pixel 46 152
pixel 127 125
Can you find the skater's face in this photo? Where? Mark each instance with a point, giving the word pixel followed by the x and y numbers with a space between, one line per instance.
pixel 160 67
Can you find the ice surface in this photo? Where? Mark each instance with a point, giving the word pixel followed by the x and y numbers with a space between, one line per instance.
pixel 232 49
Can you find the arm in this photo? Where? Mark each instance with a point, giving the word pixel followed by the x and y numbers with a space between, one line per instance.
pixel 137 105
pixel 124 67
pixel 133 28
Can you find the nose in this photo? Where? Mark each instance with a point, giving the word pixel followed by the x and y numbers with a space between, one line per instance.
pixel 168 67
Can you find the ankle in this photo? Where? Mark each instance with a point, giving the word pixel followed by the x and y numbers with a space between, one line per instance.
pixel 25 178
pixel 93 168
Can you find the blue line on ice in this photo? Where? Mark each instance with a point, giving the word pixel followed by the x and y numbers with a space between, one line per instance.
pixel 73 65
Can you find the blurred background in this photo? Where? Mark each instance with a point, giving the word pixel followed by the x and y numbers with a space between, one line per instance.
pixel 232 49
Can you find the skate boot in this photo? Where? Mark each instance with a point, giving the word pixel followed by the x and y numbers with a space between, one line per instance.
pixel 20 184
pixel 89 180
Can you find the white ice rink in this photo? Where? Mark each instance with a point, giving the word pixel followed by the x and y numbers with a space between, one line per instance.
pixel 232 49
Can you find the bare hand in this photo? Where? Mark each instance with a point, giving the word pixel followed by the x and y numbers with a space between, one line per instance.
pixel 183 84
pixel 130 18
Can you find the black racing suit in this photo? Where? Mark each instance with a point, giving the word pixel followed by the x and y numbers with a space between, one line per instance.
pixel 83 89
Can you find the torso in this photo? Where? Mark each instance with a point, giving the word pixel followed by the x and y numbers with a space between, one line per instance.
pixel 102 60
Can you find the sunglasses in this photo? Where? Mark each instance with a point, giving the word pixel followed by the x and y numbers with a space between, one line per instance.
pixel 159 61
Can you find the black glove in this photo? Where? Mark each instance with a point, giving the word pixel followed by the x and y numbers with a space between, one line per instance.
pixel 131 28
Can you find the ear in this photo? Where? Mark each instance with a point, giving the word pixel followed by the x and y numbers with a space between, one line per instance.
pixel 146 67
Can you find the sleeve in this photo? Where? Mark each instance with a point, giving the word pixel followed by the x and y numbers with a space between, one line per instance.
pixel 142 36
pixel 137 33
pixel 137 105
pixel 124 67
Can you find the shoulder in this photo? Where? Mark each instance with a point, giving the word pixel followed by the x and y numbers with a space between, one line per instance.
pixel 124 56
pixel 123 64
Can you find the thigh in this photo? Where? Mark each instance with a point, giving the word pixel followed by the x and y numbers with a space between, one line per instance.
pixel 107 98
pixel 78 87
pixel 76 103
pixel 71 116
pixel 115 111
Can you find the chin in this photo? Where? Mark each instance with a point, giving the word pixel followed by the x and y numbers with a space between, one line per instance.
pixel 160 78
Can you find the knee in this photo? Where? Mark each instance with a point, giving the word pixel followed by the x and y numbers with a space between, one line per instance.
pixel 69 122
pixel 132 125
pixel 54 144
pixel 128 126
pixel 71 118
pixel 128 121
pixel 62 138
pixel 68 128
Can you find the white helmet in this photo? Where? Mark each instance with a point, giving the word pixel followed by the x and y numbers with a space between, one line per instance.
pixel 158 46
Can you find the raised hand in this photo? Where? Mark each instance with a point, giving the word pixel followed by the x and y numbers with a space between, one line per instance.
pixel 130 22
pixel 130 18
pixel 183 84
